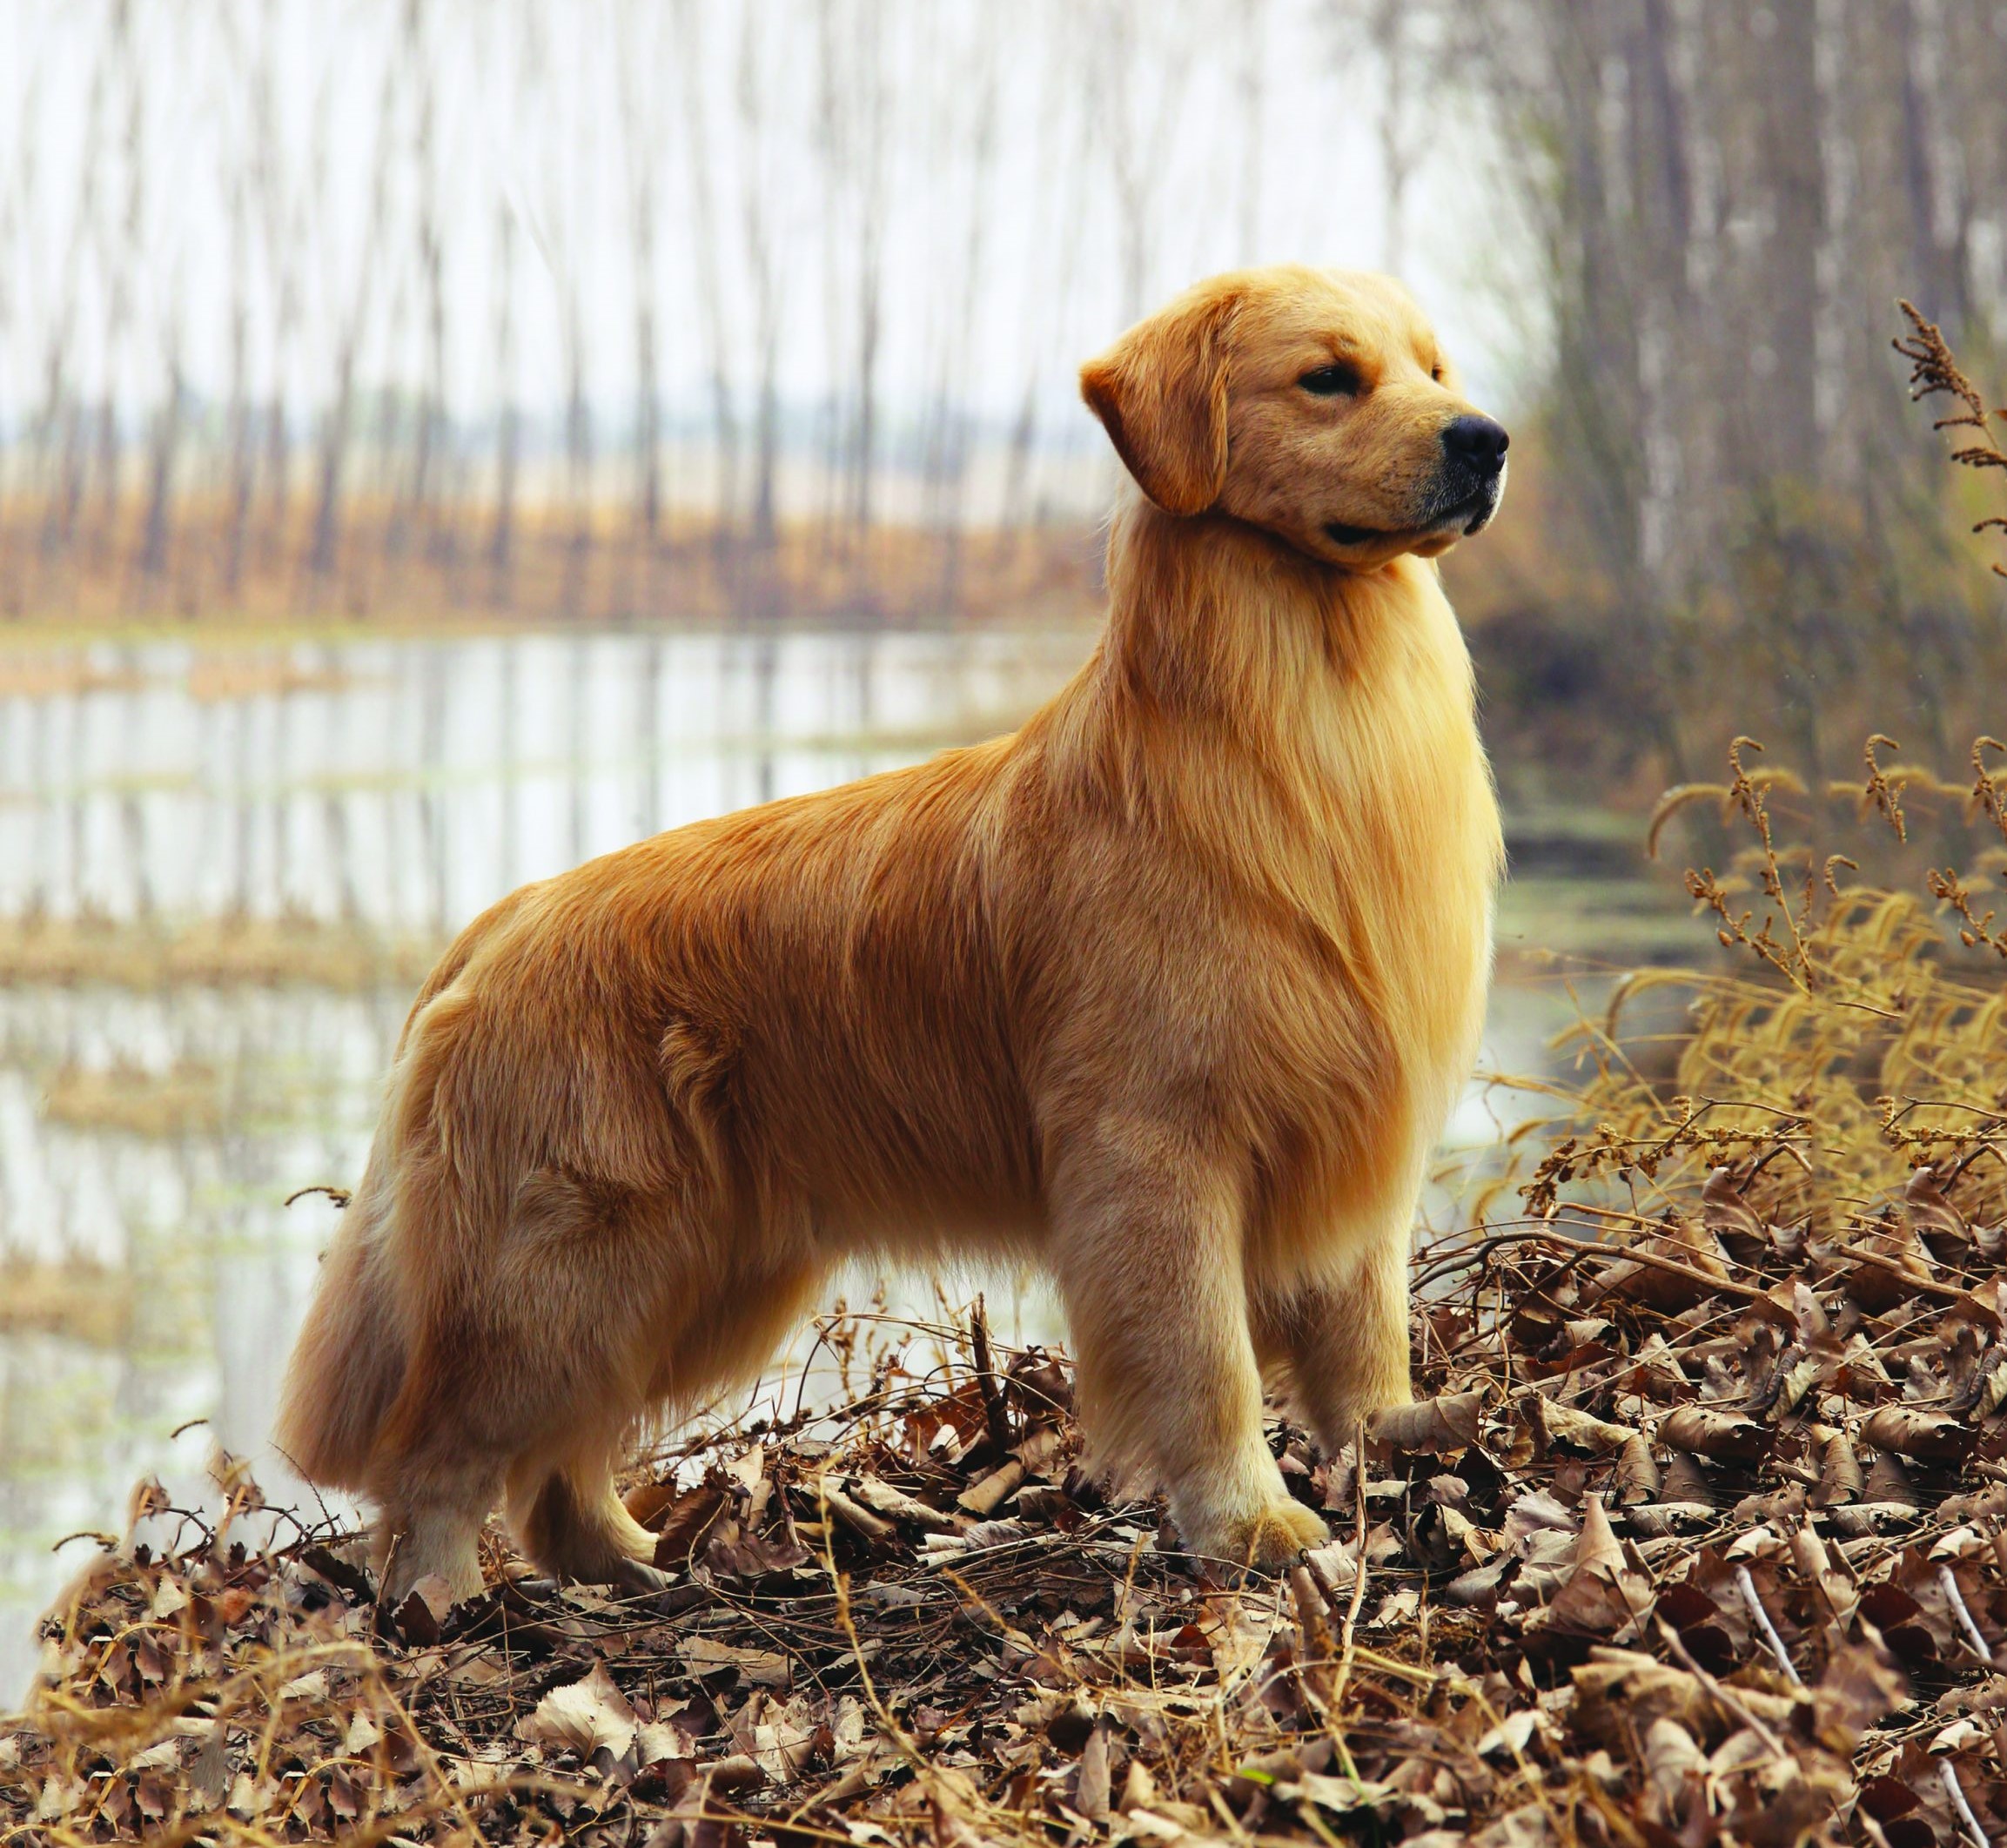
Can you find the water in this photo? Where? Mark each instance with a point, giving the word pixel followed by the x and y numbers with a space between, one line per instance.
pixel 175 817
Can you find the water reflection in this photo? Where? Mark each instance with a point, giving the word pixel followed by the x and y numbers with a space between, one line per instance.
pixel 167 1080
pixel 406 783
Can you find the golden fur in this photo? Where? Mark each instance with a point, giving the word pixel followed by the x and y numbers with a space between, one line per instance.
pixel 1170 991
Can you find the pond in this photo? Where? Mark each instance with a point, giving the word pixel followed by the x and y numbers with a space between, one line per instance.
pixel 223 868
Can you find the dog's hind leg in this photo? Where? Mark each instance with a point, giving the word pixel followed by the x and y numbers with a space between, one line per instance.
pixel 1346 1343
pixel 562 1507
pixel 572 1524
pixel 432 1530
pixel 528 1356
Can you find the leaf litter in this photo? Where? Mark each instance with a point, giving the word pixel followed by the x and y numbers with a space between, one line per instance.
pixel 1696 1532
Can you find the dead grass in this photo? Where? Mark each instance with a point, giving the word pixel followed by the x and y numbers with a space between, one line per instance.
pixel 214 953
pixel 79 1302
pixel 186 1099
pixel 600 572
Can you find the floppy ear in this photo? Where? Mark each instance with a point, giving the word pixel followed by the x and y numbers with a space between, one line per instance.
pixel 1161 393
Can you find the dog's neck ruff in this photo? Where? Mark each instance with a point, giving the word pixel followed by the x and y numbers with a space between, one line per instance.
pixel 1301 718
pixel 1212 619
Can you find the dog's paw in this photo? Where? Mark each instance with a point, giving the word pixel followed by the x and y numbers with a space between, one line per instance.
pixel 1269 1539
pixel 637 1576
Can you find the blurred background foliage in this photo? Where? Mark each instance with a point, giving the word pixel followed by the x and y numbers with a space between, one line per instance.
pixel 1746 525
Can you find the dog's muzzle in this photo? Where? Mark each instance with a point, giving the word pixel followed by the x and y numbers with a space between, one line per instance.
pixel 1465 493
pixel 1472 475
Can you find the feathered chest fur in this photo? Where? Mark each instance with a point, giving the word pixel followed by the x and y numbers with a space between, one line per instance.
pixel 1305 742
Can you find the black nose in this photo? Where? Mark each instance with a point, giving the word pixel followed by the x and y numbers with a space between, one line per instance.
pixel 1476 440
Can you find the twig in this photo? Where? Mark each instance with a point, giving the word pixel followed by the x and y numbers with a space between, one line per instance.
pixel 996 1415
pixel 1949 1584
pixel 1651 1260
pixel 1348 1631
pixel 1729 1699
pixel 1747 1586
pixel 1948 1776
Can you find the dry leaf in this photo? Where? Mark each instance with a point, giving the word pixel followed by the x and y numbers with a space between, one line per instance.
pixel 586 1716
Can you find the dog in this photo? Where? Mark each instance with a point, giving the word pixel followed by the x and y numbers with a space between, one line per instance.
pixel 1169 991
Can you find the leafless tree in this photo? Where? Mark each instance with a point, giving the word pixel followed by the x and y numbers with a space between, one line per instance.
pixel 281 233
pixel 120 261
pixel 939 210
pixel 1250 82
pixel 427 462
pixel 1732 194
pixel 508 418
pixel 243 462
pixel 947 447
pixel 758 203
pixel 162 448
pixel 706 265
pixel 338 420
pixel 643 135
pixel 872 108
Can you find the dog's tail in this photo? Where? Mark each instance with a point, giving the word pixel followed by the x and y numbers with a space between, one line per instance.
pixel 349 1362
pixel 348 1367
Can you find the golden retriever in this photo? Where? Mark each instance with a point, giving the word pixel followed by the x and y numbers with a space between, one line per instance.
pixel 1169 991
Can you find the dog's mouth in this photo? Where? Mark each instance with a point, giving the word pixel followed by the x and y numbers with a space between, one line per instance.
pixel 1470 515
pixel 1341 535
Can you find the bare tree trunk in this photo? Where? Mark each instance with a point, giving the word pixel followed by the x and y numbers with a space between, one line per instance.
pixel 1127 161
pixel 338 420
pixel 508 434
pixel 761 258
pixel 335 422
pixel 1066 161
pixel 1789 434
pixel 863 460
pixel 1390 39
pixel 1939 263
pixel 648 398
pixel 282 258
pixel 153 560
pixel 243 459
pixel 1253 85
pixel 710 292
pixel 57 445
pixel 836 169
pixel 428 463
pixel 58 426
pixel 119 314
pixel 951 459
pixel 1138 148
pixel 578 453
pixel 640 119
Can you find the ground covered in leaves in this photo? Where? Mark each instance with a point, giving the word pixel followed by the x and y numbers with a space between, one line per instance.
pixel 1697 1531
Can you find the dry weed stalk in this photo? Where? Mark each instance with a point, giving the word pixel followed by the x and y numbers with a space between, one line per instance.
pixel 1935 371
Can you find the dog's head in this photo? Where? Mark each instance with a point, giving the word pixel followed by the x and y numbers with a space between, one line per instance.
pixel 1315 403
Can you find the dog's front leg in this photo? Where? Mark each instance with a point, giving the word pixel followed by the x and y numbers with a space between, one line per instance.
pixel 1147 1248
pixel 1346 1344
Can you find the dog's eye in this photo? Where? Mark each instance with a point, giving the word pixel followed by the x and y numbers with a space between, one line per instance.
pixel 1339 381
pixel 1435 371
